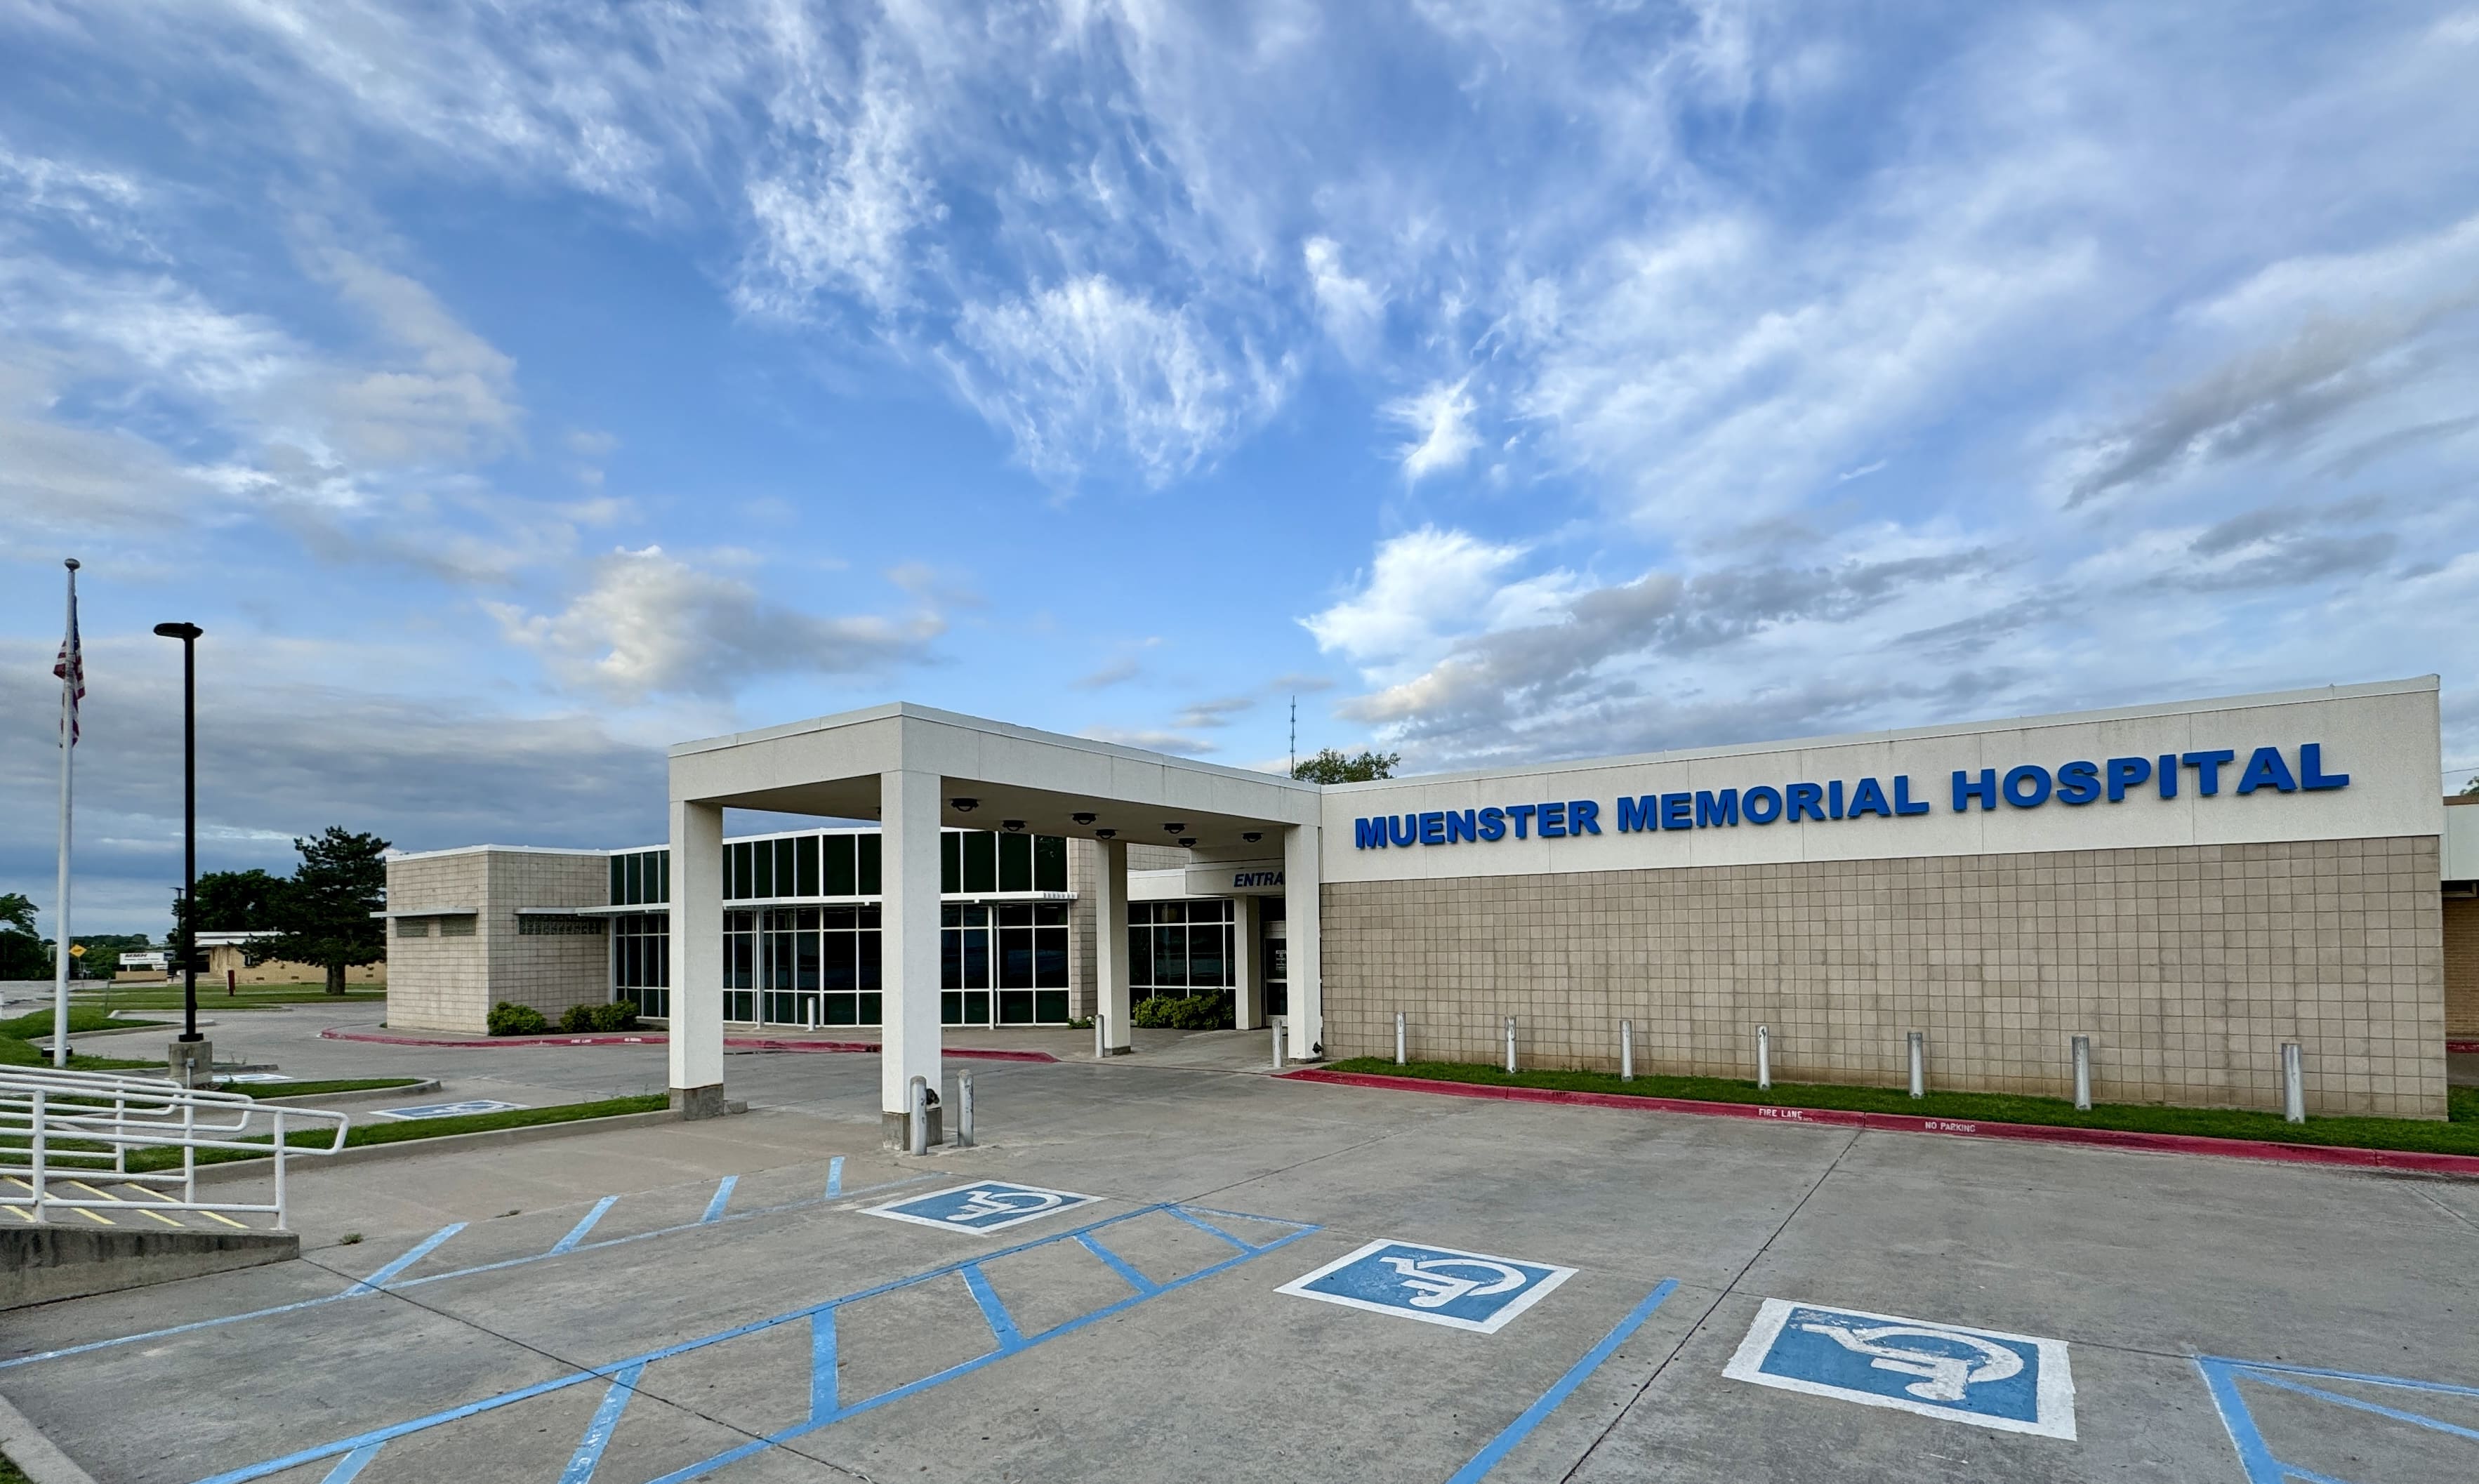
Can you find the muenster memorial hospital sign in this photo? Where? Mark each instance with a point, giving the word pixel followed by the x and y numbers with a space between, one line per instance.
pixel 2025 786
pixel 2338 763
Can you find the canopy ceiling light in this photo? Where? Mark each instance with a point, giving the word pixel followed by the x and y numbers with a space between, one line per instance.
pixel 1188 840
pixel 1104 834
pixel 1012 826
pixel 963 805
pixel 1173 829
pixel 1253 837
pixel 1081 819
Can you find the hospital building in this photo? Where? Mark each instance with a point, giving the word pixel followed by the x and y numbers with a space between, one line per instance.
pixel 2188 886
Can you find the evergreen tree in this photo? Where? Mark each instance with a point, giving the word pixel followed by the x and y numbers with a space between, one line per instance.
pixel 233 902
pixel 23 953
pixel 322 915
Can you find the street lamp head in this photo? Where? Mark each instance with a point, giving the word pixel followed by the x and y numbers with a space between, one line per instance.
pixel 70 562
pixel 181 632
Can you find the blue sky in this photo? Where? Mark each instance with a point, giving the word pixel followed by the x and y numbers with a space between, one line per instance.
pixel 511 390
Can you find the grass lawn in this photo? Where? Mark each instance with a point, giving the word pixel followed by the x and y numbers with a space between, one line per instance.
pixel 393 1131
pixel 10 1474
pixel 2458 1134
pixel 213 1000
pixel 280 1090
pixel 18 1046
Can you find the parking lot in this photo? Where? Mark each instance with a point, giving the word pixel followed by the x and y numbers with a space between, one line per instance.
pixel 1159 1272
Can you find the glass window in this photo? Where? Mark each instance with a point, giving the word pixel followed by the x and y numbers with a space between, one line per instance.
pixel 1015 862
pixel 866 846
pixel 839 865
pixel 664 858
pixel 951 862
pixel 1049 863
pixel 765 861
pixel 619 883
pixel 805 866
pixel 980 861
pixel 784 854
pixel 633 881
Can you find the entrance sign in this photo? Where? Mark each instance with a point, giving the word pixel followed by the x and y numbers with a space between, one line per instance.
pixel 1435 1285
pixel 2012 1383
pixel 989 1206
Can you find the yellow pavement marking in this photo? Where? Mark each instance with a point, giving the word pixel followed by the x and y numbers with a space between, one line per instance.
pixel 125 1201
pixel 21 1211
pixel 218 1216
pixel 97 1218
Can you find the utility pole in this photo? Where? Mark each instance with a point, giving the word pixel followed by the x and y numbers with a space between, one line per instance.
pixel 1296 734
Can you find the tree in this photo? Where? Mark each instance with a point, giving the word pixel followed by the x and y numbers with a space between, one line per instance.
pixel 1330 766
pixel 322 915
pixel 23 953
pixel 2470 790
pixel 235 901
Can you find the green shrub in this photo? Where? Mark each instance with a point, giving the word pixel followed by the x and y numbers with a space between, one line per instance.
pixel 507 1019
pixel 619 1015
pixel 1184 1013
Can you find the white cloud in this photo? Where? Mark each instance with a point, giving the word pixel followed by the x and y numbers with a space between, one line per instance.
pixel 1353 313
pixel 1422 588
pixel 648 624
pixel 1088 366
pixel 1439 420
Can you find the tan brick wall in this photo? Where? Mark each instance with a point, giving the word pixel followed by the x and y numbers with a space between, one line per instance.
pixel 449 984
pixel 1084 878
pixel 2187 966
pixel 2462 968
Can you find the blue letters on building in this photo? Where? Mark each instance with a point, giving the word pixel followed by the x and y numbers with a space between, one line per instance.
pixel 2029 785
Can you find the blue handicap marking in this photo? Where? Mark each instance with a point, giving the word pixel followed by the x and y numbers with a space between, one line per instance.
pixel 1436 1285
pixel 476 1105
pixel 987 1205
pixel 2013 1382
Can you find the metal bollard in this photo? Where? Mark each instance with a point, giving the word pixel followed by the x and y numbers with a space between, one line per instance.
pixel 1277 1025
pixel 1510 1045
pixel 2293 1085
pixel 920 1101
pixel 1764 1056
pixel 1919 1063
pixel 1399 1058
pixel 2082 1073
pixel 1627 1051
pixel 963 1110
pixel 1101 1036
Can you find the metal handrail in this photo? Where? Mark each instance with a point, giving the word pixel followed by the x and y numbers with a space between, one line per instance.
pixel 63 1126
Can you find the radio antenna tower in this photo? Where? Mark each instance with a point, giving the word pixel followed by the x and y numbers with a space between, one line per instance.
pixel 1296 734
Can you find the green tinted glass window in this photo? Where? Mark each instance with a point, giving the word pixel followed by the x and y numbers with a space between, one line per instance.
pixel 617 883
pixel 807 863
pixel 980 861
pixel 951 866
pixel 1049 863
pixel 1015 862
pixel 866 846
pixel 839 864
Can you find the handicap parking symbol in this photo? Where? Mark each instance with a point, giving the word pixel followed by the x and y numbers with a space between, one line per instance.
pixel 2013 1382
pixel 475 1105
pixel 1436 1285
pixel 989 1206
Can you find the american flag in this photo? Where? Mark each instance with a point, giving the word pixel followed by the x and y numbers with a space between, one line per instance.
pixel 71 667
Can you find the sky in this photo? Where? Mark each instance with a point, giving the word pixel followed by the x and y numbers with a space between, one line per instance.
pixel 511 390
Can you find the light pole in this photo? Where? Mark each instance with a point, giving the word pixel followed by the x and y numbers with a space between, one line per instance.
pixel 187 634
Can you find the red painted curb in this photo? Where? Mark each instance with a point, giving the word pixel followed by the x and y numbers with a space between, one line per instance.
pixel 658 1039
pixel 1905 1123
pixel 2462 1045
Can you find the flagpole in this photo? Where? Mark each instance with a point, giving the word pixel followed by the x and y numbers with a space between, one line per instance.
pixel 68 761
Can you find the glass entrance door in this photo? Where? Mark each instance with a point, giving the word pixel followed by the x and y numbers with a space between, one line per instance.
pixel 965 966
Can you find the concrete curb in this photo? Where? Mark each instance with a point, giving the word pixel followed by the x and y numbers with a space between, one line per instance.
pixel 445 1144
pixel 658 1039
pixel 329 1099
pixel 34 1453
pixel 2346 1156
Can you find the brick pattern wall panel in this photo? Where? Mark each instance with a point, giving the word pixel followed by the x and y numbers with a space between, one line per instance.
pixel 1083 878
pixel 434 983
pixel 2188 966
pixel 2462 968
pixel 549 972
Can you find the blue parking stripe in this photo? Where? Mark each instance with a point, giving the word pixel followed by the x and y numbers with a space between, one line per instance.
pixel 598 1433
pixel 834 1177
pixel 1002 1323
pixel 576 1233
pixel 823 1382
pixel 721 1198
pixel 1118 1265
pixel 1533 1416
pixel 420 1250
pixel 1211 1230
pixel 350 1465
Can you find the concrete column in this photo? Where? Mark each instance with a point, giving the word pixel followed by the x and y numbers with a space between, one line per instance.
pixel 910 1033
pixel 1302 978
pixel 695 1038
pixel 1248 1001
pixel 1110 945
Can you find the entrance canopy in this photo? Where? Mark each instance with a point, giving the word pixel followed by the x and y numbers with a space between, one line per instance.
pixel 915 770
